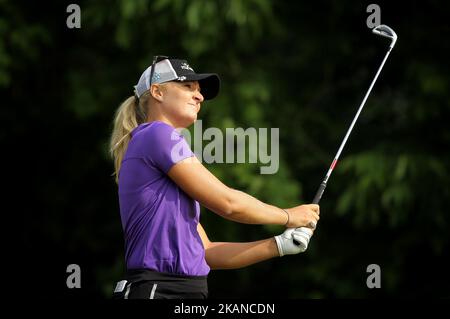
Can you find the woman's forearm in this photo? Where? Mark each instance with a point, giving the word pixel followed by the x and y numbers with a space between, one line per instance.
pixel 249 210
pixel 225 255
pixel 197 182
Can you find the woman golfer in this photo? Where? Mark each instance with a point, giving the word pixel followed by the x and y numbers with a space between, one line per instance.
pixel 162 185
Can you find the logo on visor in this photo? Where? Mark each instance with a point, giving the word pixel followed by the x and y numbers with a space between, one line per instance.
pixel 181 78
pixel 156 77
pixel 186 67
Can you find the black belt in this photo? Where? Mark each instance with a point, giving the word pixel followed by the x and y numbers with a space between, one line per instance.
pixel 182 282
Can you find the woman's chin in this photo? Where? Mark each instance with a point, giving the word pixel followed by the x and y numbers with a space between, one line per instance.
pixel 189 120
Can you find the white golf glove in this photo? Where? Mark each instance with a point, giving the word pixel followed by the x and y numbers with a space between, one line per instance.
pixel 285 241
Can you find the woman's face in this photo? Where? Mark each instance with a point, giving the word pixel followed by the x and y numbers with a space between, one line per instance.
pixel 181 102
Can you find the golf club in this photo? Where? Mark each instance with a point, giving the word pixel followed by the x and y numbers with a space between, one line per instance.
pixel 384 31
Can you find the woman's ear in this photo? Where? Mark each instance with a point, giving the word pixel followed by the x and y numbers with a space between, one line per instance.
pixel 157 92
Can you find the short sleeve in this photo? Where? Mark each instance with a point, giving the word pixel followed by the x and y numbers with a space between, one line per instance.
pixel 166 146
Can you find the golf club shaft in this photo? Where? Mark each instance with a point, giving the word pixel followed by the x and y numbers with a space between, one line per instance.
pixel 323 185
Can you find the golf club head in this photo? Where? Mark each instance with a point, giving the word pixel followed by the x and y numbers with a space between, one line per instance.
pixel 386 32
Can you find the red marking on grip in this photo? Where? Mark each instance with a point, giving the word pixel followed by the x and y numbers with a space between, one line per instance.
pixel 333 164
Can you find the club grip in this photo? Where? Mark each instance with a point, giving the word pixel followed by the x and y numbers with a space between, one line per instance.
pixel 316 200
pixel 319 193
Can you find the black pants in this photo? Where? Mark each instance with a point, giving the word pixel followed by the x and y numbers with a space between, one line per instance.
pixel 147 284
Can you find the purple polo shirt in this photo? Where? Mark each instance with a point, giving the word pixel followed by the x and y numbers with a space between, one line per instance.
pixel 159 220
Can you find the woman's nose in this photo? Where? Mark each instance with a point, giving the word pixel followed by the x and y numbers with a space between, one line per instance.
pixel 198 97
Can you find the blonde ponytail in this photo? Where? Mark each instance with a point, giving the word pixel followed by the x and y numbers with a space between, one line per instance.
pixel 128 116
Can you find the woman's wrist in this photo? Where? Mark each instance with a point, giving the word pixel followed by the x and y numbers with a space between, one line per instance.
pixel 288 217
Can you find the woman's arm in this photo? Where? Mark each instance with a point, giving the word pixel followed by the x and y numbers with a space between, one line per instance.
pixel 200 184
pixel 224 255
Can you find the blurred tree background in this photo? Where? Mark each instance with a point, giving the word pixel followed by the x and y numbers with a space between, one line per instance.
pixel 302 67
